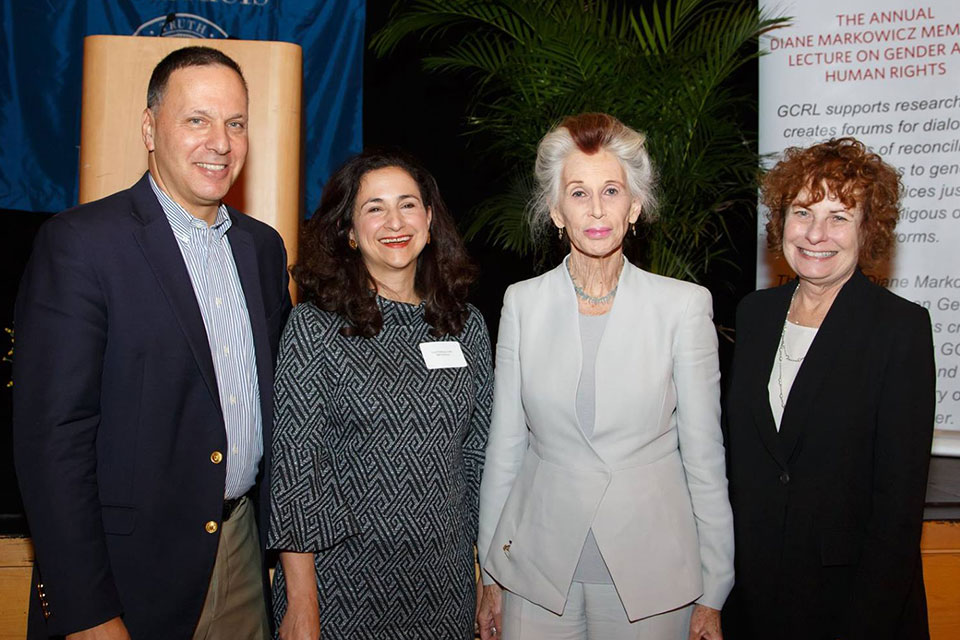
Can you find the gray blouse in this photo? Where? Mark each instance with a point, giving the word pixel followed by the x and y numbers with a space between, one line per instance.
pixel 591 568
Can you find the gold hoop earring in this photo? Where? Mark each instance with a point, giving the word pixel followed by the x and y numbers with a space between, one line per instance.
pixel 352 243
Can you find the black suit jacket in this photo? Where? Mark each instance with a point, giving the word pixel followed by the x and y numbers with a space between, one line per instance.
pixel 828 511
pixel 117 412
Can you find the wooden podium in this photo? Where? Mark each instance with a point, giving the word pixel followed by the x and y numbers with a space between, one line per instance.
pixel 116 71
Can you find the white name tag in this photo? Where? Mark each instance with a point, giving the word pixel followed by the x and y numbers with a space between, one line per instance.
pixel 442 355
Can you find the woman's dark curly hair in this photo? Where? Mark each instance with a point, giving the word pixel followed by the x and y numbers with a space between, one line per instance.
pixel 845 168
pixel 333 276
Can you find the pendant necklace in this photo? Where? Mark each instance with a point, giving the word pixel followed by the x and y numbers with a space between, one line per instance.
pixel 782 353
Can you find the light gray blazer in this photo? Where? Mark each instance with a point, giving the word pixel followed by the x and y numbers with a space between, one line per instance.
pixel 650 482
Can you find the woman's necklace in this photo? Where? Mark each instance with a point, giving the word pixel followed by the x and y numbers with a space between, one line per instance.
pixel 586 297
pixel 782 353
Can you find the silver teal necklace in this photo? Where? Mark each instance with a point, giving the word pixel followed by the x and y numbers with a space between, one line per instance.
pixel 586 297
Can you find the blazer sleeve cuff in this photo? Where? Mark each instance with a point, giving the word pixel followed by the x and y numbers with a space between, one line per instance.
pixel 81 608
pixel 714 596
pixel 486 578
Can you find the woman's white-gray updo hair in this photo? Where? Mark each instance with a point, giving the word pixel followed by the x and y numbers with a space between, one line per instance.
pixel 590 132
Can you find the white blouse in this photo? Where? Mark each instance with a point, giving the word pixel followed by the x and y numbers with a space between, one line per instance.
pixel 795 341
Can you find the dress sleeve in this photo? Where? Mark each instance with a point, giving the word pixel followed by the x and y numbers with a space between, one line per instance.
pixel 890 560
pixel 696 374
pixel 507 443
pixel 307 509
pixel 476 440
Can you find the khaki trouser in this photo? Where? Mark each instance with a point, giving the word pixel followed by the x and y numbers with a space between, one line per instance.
pixel 234 607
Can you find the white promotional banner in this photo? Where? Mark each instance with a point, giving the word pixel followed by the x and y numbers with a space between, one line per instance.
pixel 886 72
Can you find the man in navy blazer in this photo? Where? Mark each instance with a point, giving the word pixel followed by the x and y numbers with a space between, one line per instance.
pixel 147 327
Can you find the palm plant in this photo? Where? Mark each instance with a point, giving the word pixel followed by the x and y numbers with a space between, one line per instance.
pixel 664 70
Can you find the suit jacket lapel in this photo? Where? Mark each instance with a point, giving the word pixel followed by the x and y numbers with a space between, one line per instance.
pixel 760 365
pixel 159 245
pixel 840 323
pixel 635 312
pixel 245 257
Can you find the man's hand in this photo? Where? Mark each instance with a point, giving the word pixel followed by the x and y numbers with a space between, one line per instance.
pixel 112 629
pixel 489 616
pixel 705 623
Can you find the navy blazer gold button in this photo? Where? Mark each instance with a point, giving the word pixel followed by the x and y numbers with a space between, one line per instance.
pixel 44 605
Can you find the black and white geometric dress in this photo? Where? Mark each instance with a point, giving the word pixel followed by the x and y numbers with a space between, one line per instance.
pixel 376 470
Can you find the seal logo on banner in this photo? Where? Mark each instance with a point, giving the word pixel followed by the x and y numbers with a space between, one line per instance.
pixel 181 25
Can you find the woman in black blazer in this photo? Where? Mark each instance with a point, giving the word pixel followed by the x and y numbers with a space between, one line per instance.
pixel 829 416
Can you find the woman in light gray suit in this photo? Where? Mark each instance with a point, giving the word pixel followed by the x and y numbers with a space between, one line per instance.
pixel 603 506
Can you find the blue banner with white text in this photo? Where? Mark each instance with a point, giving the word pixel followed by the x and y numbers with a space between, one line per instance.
pixel 40 79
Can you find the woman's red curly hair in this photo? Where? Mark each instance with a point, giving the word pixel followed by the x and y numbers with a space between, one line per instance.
pixel 845 168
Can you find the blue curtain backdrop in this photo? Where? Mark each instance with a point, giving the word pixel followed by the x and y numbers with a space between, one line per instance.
pixel 42 67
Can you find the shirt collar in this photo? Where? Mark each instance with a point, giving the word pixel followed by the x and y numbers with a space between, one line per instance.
pixel 181 222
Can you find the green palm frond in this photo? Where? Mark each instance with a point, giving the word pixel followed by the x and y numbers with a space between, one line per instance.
pixel 501 219
pixel 664 69
pixel 657 30
pixel 474 53
pixel 433 17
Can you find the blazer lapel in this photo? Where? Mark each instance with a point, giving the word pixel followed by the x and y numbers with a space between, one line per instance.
pixel 245 257
pixel 624 346
pixel 761 365
pixel 832 337
pixel 158 244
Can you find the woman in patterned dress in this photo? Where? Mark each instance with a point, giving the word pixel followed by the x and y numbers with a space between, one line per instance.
pixel 383 396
